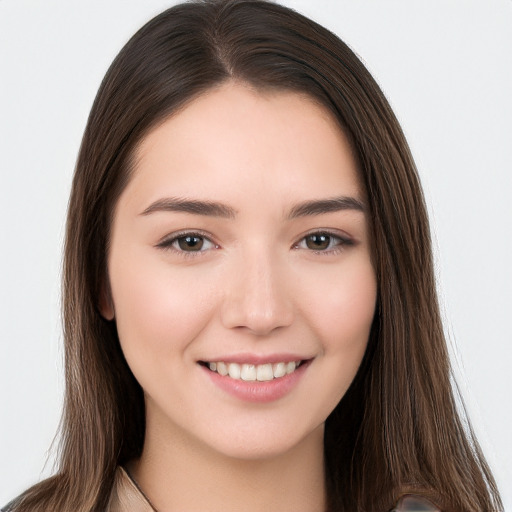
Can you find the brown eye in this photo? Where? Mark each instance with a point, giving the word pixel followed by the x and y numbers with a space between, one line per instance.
pixel 318 241
pixel 324 242
pixel 190 243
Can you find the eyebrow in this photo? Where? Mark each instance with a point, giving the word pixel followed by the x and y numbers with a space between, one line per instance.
pixel 322 206
pixel 215 209
pixel 195 207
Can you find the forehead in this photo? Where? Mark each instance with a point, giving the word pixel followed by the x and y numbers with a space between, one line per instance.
pixel 235 140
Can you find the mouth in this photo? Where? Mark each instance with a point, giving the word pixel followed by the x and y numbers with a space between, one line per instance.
pixel 253 372
pixel 256 379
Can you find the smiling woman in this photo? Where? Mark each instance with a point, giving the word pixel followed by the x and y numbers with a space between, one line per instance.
pixel 263 283
pixel 250 312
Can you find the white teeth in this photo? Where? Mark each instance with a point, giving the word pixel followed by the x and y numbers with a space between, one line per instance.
pixel 264 372
pixel 248 372
pixel 251 372
pixel 279 370
pixel 222 369
pixel 234 370
pixel 290 367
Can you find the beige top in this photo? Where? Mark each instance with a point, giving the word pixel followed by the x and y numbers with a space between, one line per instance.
pixel 127 497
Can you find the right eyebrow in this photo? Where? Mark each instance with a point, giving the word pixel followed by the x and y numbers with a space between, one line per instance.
pixel 321 206
pixel 193 206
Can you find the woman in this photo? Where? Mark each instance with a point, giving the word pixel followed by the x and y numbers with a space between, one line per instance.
pixel 248 286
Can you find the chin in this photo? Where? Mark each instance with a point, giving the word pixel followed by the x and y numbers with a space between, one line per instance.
pixel 264 445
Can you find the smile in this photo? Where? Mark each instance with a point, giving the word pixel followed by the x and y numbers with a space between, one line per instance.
pixel 252 372
pixel 256 381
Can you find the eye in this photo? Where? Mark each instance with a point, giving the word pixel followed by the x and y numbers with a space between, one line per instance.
pixel 191 243
pixel 323 241
pixel 188 243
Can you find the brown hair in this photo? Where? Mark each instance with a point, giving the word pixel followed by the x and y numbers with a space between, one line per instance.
pixel 397 429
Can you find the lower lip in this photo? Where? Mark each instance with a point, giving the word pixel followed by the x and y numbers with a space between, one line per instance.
pixel 255 391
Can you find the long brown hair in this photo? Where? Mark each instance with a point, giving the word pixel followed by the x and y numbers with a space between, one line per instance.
pixel 397 429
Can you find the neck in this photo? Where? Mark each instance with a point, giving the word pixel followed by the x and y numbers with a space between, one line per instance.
pixel 182 475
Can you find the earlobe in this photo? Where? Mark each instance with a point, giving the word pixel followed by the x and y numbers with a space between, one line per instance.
pixel 106 305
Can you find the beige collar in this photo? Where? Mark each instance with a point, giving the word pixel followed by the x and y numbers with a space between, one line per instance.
pixel 126 496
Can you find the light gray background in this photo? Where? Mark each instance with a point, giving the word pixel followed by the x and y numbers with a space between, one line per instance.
pixel 446 67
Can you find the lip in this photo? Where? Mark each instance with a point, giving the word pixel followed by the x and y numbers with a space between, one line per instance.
pixel 255 391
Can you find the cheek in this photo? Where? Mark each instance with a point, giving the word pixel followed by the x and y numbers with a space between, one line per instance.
pixel 337 303
pixel 341 314
pixel 341 305
pixel 158 310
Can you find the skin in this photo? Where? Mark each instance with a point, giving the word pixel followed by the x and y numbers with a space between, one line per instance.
pixel 255 287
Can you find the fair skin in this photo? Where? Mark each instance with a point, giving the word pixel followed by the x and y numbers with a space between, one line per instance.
pixel 262 280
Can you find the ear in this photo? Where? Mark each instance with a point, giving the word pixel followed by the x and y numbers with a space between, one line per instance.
pixel 106 305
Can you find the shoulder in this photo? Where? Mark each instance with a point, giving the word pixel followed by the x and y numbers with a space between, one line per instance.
pixel 411 503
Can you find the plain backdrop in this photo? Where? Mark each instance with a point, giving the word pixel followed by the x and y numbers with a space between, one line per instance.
pixel 445 66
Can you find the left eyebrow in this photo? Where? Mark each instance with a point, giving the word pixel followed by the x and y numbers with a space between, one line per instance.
pixel 321 206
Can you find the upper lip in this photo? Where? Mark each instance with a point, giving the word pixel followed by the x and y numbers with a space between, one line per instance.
pixel 256 359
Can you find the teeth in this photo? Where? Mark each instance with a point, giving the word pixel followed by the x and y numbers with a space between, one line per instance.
pixel 264 372
pixel 234 370
pixel 251 372
pixel 222 369
pixel 290 367
pixel 248 372
pixel 279 370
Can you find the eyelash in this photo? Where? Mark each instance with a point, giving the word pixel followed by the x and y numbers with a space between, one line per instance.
pixel 342 242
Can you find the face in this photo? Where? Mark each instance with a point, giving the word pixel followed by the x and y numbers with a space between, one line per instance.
pixel 240 246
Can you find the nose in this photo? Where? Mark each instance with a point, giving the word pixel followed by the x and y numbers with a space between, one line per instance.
pixel 256 295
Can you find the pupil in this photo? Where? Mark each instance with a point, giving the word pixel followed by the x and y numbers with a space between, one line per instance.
pixel 190 243
pixel 317 242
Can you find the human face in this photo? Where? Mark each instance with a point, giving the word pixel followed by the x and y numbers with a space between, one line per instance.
pixel 241 238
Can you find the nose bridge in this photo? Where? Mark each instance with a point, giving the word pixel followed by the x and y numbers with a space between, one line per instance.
pixel 256 294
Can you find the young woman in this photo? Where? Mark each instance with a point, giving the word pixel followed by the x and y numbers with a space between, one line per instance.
pixel 250 311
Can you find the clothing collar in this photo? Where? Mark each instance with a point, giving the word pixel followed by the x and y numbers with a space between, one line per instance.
pixel 126 495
